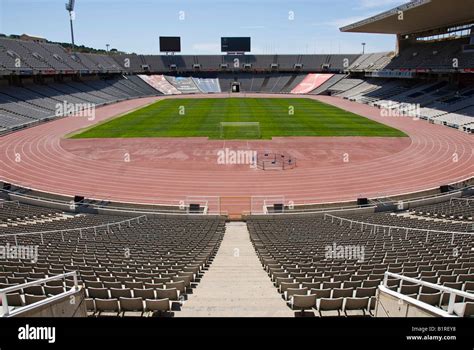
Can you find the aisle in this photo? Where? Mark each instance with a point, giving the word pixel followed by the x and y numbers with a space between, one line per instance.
pixel 236 284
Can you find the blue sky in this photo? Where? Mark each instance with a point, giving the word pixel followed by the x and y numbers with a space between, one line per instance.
pixel 135 25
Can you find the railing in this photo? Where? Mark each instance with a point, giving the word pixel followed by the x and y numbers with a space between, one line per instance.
pixel 298 206
pixel 118 224
pixel 461 199
pixel 9 290
pixel 375 227
pixel 453 293
pixel 3 202
pixel 176 207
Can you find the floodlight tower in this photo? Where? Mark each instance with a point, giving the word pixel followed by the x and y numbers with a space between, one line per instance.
pixel 70 8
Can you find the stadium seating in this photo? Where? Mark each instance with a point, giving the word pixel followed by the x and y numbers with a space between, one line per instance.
pixel 139 269
pixel 438 101
pixel 433 55
pixel 310 83
pixel 298 253
pixel 29 104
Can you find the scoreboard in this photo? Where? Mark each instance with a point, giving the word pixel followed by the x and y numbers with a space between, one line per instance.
pixel 170 44
pixel 235 44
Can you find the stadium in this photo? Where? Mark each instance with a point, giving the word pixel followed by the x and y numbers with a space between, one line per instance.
pixel 238 184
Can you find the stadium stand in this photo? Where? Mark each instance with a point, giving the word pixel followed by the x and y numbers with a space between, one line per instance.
pixel 207 85
pixel 328 84
pixel 160 83
pixel 31 103
pixel 311 82
pixel 438 101
pixel 300 255
pixel 184 85
pixel 143 268
pixel 371 62
pixel 459 209
pixel 437 56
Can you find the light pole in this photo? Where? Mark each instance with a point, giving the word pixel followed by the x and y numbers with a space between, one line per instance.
pixel 363 48
pixel 70 8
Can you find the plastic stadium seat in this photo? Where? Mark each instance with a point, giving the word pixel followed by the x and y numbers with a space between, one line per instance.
pixel 15 299
pixel 431 299
pixel 303 302
pixel 326 304
pixel 131 306
pixel 321 293
pixel 48 290
pixel 120 293
pixel 144 293
pixel 171 294
pixel 101 293
pixel 353 304
pixel 295 291
pixel 157 305
pixel 31 299
pixel 107 307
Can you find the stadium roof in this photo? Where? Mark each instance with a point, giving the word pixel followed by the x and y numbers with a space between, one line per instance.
pixel 418 16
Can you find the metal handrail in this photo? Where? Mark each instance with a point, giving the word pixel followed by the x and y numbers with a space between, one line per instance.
pixel 80 229
pixel 8 290
pixel 367 224
pixel 452 292
pixel 390 228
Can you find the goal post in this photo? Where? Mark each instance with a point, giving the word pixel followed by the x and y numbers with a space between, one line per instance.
pixel 240 130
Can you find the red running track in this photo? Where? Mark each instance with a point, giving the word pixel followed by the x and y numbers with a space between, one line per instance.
pixel 166 171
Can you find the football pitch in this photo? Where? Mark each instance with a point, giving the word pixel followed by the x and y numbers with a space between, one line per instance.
pixel 238 118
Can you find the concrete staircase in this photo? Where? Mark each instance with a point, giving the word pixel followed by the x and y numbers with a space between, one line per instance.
pixel 236 284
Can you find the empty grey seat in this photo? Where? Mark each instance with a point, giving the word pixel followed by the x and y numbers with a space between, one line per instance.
pixel 342 292
pixel 157 305
pixel 101 293
pixel 34 290
pixel 31 299
pixel 107 307
pixel 433 299
pixel 365 292
pixel 361 304
pixel 171 294
pixel 179 285
pixel 15 299
pixel 53 290
pixel 409 289
pixel 295 291
pixel 144 293
pixel 120 293
pixel 131 306
pixel 285 285
pixel 326 304
pixel 303 302
pixel 321 293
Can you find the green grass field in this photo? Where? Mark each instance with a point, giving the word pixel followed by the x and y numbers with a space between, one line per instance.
pixel 203 117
